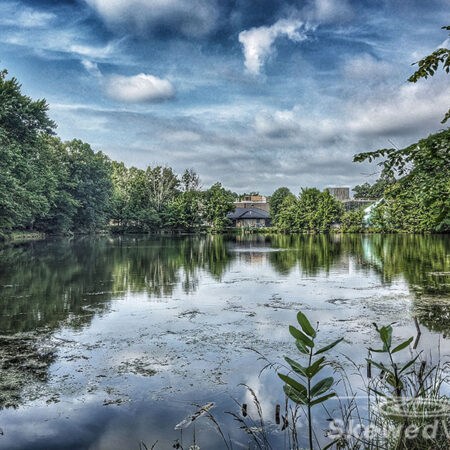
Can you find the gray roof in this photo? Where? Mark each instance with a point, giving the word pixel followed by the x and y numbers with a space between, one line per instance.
pixel 248 213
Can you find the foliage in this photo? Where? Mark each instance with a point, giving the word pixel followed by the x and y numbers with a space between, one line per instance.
pixel 308 394
pixel 276 201
pixel 312 211
pixel 374 191
pixel 420 199
pixel 218 202
pixel 429 65
pixel 351 221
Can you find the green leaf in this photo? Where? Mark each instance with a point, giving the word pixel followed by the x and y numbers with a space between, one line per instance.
pixel 408 364
pixel 386 336
pixel 296 367
pixel 380 366
pixel 294 395
pixel 328 347
pixel 315 368
pixel 402 345
pixel 322 386
pixel 306 326
pixel 293 383
pixel 332 443
pixel 301 336
pixel 302 347
pixel 322 399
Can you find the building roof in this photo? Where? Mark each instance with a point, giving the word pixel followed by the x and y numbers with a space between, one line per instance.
pixel 248 213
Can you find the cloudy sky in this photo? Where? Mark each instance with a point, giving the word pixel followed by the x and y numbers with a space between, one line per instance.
pixel 254 93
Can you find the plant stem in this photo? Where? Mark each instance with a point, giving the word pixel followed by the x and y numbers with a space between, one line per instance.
pixel 309 406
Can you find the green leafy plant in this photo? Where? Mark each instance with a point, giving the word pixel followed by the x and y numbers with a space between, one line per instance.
pixel 311 392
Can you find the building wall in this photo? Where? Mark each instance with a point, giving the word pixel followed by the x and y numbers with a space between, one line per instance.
pixel 264 206
pixel 252 223
pixel 339 193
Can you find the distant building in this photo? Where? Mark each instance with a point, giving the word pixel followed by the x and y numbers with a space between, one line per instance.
pixel 249 217
pixel 343 195
pixel 253 201
pixel 339 193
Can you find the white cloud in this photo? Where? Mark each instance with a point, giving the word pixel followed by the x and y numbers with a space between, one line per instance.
pixel 332 10
pixel 258 42
pixel 14 14
pixel 366 67
pixel 141 88
pixel 276 125
pixel 191 17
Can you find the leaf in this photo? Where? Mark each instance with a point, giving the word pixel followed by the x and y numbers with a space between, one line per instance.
pixel 301 347
pixel 296 367
pixel 322 399
pixel 328 347
pixel 408 364
pixel 315 368
pixel 306 326
pixel 294 395
pixel 332 443
pixel 301 336
pixel 293 383
pixel 386 336
pixel 402 345
pixel 321 387
pixel 380 366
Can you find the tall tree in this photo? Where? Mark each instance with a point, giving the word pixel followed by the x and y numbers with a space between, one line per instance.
pixel 218 202
pixel 420 199
pixel 430 64
pixel 23 123
pixel 276 201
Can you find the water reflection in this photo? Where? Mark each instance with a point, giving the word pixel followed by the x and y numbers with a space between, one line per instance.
pixel 57 284
pixel 43 284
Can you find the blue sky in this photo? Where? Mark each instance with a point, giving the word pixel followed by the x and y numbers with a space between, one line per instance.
pixel 254 93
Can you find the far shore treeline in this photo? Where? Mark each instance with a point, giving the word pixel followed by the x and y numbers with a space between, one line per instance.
pixel 55 187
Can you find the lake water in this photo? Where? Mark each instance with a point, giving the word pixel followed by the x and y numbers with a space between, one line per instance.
pixel 108 342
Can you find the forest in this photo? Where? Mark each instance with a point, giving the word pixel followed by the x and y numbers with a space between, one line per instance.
pixel 55 187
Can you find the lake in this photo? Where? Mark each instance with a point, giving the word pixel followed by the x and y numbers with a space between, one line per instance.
pixel 110 341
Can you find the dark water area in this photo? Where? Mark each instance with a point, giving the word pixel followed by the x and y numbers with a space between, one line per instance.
pixel 107 342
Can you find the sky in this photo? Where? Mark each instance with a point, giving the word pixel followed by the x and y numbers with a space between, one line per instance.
pixel 256 94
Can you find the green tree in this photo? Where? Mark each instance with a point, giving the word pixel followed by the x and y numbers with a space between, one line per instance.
pixel 91 186
pixel 218 202
pixel 24 156
pixel 185 212
pixel 420 199
pixel 276 201
pixel 286 219
pixel 429 65
pixel 374 191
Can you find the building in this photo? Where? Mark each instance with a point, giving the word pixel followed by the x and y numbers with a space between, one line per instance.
pixel 253 201
pixel 339 193
pixel 343 195
pixel 249 217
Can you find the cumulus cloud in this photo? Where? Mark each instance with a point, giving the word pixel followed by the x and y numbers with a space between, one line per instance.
pixel 276 125
pixel 365 67
pixel 332 10
pixel 141 88
pixel 190 17
pixel 258 42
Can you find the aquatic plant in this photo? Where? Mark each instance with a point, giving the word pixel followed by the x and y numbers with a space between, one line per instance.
pixel 308 394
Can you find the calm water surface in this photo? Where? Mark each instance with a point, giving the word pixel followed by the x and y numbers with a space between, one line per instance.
pixel 107 342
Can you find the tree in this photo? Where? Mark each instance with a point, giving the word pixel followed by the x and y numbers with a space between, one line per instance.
pixel 24 156
pixel 163 186
pixel 218 202
pixel 420 199
pixel 286 219
pixel 429 65
pixel 185 212
pixel 190 180
pixel 91 186
pixel 374 191
pixel 276 201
